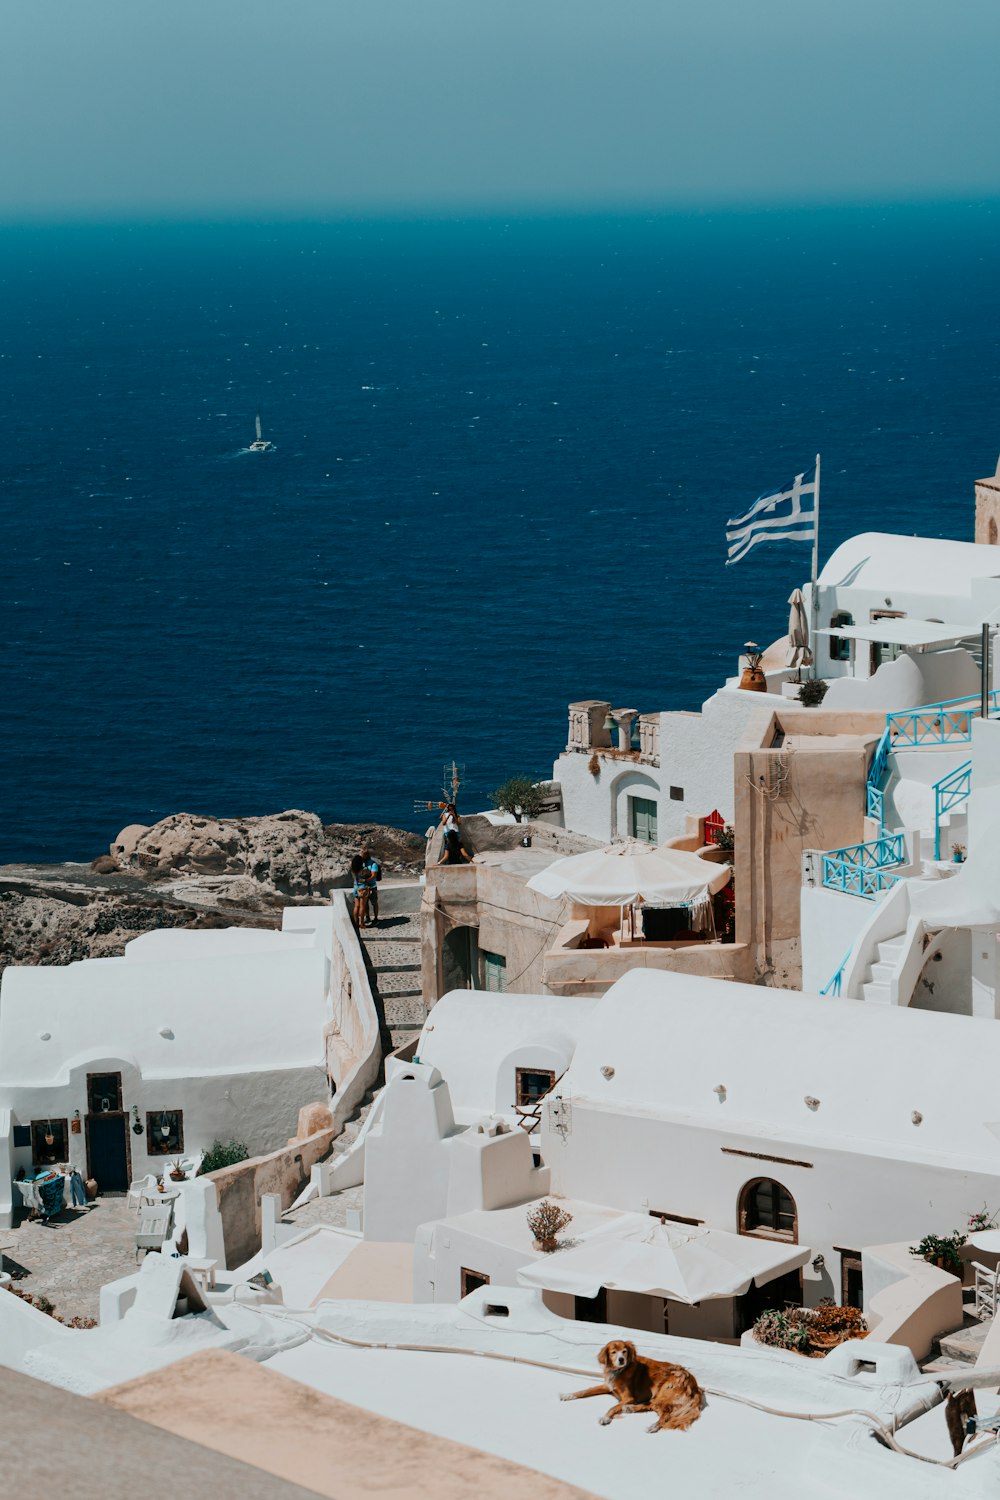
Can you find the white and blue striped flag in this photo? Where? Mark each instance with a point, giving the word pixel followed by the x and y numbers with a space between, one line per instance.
pixel 785 515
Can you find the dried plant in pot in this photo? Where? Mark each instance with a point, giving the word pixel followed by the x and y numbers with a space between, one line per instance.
pixel 547 1220
pixel 177 1173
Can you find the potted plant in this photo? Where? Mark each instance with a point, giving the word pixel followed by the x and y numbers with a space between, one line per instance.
pixel 983 1219
pixel 942 1250
pixel 812 692
pixel 958 854
pixel 177 1173
pixel 753 679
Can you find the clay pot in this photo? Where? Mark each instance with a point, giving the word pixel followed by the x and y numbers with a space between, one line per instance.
pixel 90 1188
pixel 753 680
pixel 547 1245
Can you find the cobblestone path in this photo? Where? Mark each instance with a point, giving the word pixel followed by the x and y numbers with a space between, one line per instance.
pixel 69 1258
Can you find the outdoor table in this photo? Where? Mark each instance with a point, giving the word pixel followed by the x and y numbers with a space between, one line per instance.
pixel 986 1240
pixel 203 1271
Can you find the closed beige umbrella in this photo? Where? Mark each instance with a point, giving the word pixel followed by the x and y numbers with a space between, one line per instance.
pixel 799 655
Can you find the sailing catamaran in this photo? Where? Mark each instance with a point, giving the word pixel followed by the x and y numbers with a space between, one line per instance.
pixel 260 445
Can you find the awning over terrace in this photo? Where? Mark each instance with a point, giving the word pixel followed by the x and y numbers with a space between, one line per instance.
pixel 904 632
pixel 686 1263
pixel 631 871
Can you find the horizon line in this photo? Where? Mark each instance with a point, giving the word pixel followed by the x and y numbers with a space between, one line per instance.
pixel 438 211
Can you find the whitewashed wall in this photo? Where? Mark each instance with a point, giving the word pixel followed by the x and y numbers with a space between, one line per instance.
pixel 229 1031
pixel 846 1198
pixel 696 755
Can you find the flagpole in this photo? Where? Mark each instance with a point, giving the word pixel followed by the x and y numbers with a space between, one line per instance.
pixel 815 576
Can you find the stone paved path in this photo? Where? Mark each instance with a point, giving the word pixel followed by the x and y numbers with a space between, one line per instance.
pixel 70 1258
pixel 332 1210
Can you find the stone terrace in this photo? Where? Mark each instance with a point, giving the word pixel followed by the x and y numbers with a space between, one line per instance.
pixel 69 1258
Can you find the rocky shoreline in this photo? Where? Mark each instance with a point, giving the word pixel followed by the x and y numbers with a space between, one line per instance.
pixel 186 871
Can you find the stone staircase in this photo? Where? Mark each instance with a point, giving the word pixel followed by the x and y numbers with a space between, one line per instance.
pixel 393 952
pixel 335 1209
pixel 875 987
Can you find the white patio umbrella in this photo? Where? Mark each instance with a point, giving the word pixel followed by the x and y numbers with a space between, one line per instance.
pixel 631 871
pixel 799 654
pixel 639 1254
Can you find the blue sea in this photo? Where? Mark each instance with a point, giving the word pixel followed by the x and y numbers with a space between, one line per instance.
pixel 506 450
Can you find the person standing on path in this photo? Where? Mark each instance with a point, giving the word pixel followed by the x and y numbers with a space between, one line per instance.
pixel 374 870
pixel 363 886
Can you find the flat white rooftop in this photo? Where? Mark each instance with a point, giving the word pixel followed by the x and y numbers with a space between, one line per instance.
pixel 734 1449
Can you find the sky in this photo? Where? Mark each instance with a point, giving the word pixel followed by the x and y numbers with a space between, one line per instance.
pixel 220 107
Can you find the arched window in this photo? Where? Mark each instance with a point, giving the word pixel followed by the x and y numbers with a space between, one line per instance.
pixel 840 650
pixel 767 1208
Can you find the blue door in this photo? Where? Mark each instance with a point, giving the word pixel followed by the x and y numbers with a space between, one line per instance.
pixel 107 1155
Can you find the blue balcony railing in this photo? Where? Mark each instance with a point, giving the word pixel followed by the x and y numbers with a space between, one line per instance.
pixel 945 723
pixel 864 869
pixel 948 793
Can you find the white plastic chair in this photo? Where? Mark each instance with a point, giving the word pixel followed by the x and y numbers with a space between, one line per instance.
pixel 986 1290
pixel 136 1189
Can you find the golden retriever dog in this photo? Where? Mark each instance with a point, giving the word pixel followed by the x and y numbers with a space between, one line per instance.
pixel 640 1384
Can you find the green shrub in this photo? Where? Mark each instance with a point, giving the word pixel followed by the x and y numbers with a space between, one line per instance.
pixel 944 1248
pixel 784 1330
pixel 812 693
pixel 519 792
pixel 219 1155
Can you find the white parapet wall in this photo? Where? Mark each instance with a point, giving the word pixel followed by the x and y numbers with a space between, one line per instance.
pixel 354 1046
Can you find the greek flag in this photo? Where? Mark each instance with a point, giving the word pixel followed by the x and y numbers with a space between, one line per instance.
pixel 786 515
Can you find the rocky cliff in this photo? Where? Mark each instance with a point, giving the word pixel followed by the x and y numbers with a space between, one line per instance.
pixel 186 871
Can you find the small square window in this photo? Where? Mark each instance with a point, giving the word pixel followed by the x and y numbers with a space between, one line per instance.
pixel 49 1142
pixel 533 1084
pixel 104 1093
pixel 473 1280
pixel 164 1132
pixel 677 794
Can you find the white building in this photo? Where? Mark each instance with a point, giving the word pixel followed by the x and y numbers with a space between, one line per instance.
pixel 120 1065
pixel 828 1124
pixel 897 624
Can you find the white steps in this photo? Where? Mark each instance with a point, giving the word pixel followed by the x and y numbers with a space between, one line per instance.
pixel 876 986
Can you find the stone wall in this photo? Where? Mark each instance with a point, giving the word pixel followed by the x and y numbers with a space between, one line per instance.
pixel 239 1188
pixel 787 801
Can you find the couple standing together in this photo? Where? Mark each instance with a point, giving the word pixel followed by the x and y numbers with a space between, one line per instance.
pixel 366 872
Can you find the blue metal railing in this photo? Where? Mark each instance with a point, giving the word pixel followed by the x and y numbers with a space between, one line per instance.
pixel 864 869
pixel 937 723
pixel 832 986
pixel 948 793
pixel 874 794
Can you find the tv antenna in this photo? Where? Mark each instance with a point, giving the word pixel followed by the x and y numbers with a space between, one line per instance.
pixel 452 776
